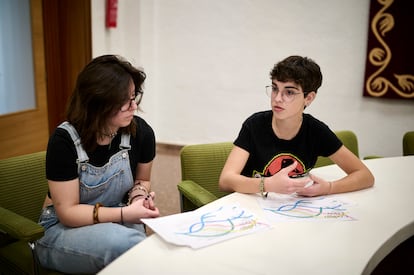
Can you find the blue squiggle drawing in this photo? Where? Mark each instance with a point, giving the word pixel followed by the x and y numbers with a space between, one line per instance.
pixel 304 208
pixel 215 224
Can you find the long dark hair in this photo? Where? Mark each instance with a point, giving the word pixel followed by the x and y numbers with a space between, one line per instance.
pixel 102 87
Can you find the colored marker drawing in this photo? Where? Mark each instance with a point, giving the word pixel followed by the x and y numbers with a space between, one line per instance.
pixel 207 225
pixel 283 208
pixel 221 222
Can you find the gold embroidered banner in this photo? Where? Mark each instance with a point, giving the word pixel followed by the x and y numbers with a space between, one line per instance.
pixel 389 71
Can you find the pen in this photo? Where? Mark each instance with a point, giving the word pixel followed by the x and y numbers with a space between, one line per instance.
pixel 308 184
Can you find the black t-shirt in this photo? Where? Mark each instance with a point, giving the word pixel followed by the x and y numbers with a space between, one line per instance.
pixel 61 153
pixel 268 153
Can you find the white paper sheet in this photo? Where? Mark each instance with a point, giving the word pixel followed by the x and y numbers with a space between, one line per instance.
pixel 206 226
pixel 279 207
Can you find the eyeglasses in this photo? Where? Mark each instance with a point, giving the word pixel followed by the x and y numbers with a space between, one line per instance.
pixel 136 99
pixel 287 95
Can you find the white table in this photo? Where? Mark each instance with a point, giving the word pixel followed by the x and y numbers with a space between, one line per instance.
pixel 385 219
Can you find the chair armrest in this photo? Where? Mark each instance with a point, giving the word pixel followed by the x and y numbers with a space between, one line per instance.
pixel 195 193
pixel 19 227
pixel 372 157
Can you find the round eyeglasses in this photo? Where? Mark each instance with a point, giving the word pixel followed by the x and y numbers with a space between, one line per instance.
pixel 287 95
pixel 136 99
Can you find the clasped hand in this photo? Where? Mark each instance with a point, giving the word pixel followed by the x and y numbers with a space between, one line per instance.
pixel 142 207
pixel 280 182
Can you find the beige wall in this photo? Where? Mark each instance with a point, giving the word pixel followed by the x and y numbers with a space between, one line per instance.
pixel 208 61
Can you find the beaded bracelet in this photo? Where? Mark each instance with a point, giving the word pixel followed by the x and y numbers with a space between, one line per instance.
pixel 137 186
pixel 147 189
pixel 95 212
pixel 262 188
pixel 134 197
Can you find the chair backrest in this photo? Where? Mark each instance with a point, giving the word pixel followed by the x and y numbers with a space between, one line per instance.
pixel 203 163
pixel 23 184
pixel 408 144
pixel 349 139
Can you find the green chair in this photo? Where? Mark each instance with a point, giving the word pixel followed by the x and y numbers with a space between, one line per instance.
pixel 201 166
pixel 408 144
pixel 349 139
pixel 23 187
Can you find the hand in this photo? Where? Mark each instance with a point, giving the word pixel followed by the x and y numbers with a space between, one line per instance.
pixel 282 183
pixel 318 188
pixel 143 207
pixel 149 201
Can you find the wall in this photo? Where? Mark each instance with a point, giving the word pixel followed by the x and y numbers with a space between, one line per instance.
pixel 208 62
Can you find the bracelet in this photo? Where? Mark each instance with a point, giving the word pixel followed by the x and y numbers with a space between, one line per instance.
pixel 143 186
pixel 137 186
pixel 134 197
pixel 135 194
pixel 95 212
pixel 330 187
pixel 122 216
pixel 140 187
pixel 135 191
pixel 262 187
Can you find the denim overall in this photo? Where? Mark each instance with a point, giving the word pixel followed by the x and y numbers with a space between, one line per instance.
pixel 88 249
